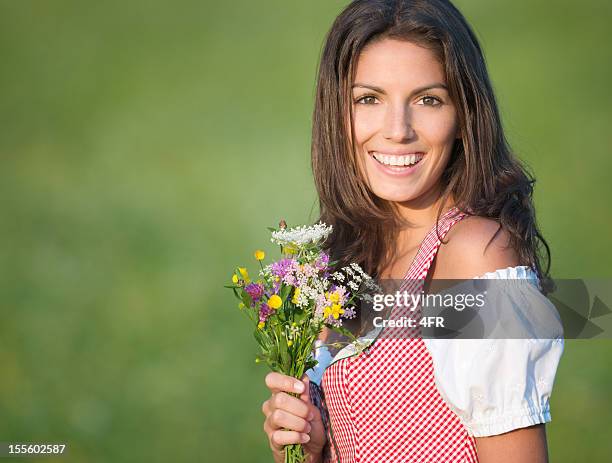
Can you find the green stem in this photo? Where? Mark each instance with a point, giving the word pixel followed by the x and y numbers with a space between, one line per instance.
pixel 294 453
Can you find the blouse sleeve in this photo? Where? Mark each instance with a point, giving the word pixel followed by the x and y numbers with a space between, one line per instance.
pixel 323 356
pixel 496 384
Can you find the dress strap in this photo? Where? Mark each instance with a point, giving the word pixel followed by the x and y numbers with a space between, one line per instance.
pixel 429 246
pixel 414 280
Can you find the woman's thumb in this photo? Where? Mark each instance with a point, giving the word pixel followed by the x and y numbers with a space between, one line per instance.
pixel 306 394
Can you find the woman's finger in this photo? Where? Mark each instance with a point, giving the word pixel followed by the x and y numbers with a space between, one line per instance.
pixel 306 394
pixel 265 408
pixel 313 412
pixel 279 439
pixel 281 419
pixel 278 382
pixel 293 405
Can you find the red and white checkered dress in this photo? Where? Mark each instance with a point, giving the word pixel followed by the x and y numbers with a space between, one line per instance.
pixel 383 403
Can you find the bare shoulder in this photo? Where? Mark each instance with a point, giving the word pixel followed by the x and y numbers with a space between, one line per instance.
pixel 472 247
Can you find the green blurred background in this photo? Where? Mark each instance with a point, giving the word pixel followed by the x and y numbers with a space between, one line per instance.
pixel 146 146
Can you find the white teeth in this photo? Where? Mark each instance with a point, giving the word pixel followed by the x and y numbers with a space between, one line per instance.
pixel 406 160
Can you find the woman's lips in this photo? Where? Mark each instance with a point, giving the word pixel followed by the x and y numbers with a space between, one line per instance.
pixel 393 164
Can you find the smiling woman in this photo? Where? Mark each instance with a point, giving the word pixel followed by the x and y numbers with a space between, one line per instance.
pixel 405 123
pixel 408 150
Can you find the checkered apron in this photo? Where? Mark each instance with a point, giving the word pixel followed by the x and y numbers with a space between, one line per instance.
pixel 383 404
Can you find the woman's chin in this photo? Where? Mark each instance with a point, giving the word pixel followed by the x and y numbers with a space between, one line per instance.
pixel 394 196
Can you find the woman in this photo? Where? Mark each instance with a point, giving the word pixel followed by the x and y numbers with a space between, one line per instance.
pixel 414 172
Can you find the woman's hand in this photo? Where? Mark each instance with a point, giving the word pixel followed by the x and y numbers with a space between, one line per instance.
pixel 292 420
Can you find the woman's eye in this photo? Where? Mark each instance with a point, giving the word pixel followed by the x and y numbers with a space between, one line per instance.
pixel 366 99
pixel 432 101
pixel 427 100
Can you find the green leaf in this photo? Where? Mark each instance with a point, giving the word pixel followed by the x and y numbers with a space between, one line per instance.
pixel 273 353
pixel 285 358
pixel 275 366
pixel 246 299
pixel 258 336
pixel 310 364
pixel 299 315
pixel 285 291
pixel 342 330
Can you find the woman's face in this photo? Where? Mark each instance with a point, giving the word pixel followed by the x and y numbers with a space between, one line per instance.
pixel 404 120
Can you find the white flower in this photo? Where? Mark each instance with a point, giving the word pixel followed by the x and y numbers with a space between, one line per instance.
pixel 354 286
pixel 359 270
pixel 302 235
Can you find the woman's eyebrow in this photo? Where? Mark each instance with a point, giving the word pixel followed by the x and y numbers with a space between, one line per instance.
pixel 415 91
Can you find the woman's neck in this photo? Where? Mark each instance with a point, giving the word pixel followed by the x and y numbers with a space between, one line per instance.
pixel 421 213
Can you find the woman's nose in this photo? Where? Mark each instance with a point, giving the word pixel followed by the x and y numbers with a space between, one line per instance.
pixel 397 125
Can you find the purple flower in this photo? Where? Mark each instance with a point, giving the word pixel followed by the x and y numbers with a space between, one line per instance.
pixel 275 289
pixel 255 290
pixel 349 312
pixel 264 312
pixel 290 280
pixel 322 261
pixel 282 267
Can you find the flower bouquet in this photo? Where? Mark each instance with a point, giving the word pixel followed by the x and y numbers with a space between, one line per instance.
pixel 294 298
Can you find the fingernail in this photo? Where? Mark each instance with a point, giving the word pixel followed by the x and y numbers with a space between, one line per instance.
pixel 305 438
pixel 299 387
pixel 310 415
pixel 308 428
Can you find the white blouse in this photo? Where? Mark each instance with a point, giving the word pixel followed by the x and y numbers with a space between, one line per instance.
pixel 492 385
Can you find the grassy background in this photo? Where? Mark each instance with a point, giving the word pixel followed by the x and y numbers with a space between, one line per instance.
pixel 146 146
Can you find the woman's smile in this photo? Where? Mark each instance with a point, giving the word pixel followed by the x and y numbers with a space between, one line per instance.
pixel 397 165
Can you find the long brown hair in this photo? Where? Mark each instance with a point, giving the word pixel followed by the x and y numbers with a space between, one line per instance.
pixel 483 176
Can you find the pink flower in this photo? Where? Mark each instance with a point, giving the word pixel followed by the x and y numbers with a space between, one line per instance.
pixel 264 312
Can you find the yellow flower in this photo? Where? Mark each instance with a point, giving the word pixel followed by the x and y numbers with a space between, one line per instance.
pixel 335 310
pixel 245 274
pixel 275 301
pixel 235 279
pixel 257 360
pixel 260 325
pixel 333 297
pixel 296 294
pixel 241 306
pixel 289 343
pixel 260 255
